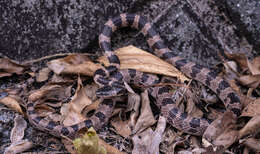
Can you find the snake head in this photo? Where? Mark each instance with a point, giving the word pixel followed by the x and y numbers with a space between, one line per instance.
pixel 110 91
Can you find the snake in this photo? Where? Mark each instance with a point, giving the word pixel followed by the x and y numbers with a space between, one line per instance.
pixel 112 83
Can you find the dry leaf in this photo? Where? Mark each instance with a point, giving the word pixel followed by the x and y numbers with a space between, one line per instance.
pixel 92 107
pixel 11 103
pixel 252 109
pixel 44 110
pixel 253 143
pixel 17 132
pixel 254 66
pixel 43 75
pixel 122 127
pixel 226 139
pixel 224 123
pixel 73 64
pixel 231 70
pixel 90 91
pixel 240 58
pixel 148 141
pixel 8 67
pixel 72 110
pixel 252 127
pixel 192 109
pixel 134 58
pixel 250 80
pixel 18 147
pixel 110 149
pixel 41 93
pixel 146 119
pixel 134 102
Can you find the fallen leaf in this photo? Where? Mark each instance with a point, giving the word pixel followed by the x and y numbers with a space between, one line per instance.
pixel 46 89
pixel 147 142
pixel 252 127
pixel 222 124
pixel 146 118
pixel 250 80
pixel 252 109
pixel 253 143
pixel 192 109
pixel 134 102
pixel 73 64
pixel 134 58
pixel 122 127
pixel 90 91
pixel 110 149
pixel 240 58
pixel 254 66
pixel 11 103
pixel 226 138
pixel 43 110
pixel 43 75
pixel 17 132
pixel 19 147
pixel 92 107
pixel 8 67
pixel 72 111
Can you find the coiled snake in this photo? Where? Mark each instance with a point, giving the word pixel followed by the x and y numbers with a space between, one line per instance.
pixel 111 81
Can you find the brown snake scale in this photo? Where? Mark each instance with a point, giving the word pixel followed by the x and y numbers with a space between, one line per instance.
pixel 111 81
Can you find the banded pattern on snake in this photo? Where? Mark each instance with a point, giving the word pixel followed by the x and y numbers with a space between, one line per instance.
pixel 111 81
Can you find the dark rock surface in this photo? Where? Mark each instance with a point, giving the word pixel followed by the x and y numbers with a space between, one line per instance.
pixel 245 15
pixel 198 29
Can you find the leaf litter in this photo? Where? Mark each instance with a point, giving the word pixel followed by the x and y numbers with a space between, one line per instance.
pixel 55 87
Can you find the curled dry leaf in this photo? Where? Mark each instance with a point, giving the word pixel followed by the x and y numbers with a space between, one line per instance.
pixel 254 66
pixel 72 110
pixel 240 58
pixel 110 149
pixel 253 143
pixel 134 58
pixel 146 118
pixel 252 109
pixel 93 106
pixel 90 91
pixel 231 70
pixel 226 139
pixel 252 127
pixel 73 64
pixel 8 67
pixel 18 147
pixel 192 109
pixel 224 123
pixel 44 91
pixel 250 80
pixel 148 141
pixel 17 132
pixel 44 110
pixel 43 75
pixel 122 127
pixel 134 101
pixel 11 103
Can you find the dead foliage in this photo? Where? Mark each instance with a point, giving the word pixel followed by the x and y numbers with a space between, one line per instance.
pixel 66 84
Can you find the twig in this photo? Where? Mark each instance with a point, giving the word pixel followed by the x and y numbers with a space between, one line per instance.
pixel 52 56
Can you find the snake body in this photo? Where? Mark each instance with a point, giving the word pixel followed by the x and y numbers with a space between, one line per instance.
pixel 111 80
